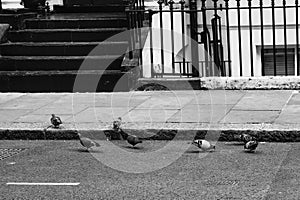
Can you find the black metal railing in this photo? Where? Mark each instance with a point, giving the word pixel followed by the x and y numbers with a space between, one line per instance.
pixel 227 38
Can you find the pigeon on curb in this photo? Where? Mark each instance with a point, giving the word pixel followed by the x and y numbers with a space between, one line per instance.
pixel 251 146
pixel 55 121
pixel 87 142
pixel 131 139
pixel 117 124
pixel 203 144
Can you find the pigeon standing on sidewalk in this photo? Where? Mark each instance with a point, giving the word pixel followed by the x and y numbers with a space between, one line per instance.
pixel 55 121
pixel 117 124
pixel 87 142
pixel 203 144
pixel 251 146
pixel 245 137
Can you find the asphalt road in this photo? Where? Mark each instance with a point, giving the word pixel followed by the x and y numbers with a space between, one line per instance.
pixel 272 172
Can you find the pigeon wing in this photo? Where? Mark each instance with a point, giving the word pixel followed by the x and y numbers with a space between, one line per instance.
pixel 86 142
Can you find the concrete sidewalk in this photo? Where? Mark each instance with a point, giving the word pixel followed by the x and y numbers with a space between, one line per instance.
pixel 272 113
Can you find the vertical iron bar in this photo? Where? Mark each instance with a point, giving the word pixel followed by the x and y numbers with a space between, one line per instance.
pixel 297 38
pixel 194 36
pixel 204 37
pixel 274 35
pixel 151 42
pixel 160 2
pixel 239 36
pixel 251 40
pixel 171 2
pixel 130 39
pixel 262 38
pixel 139 16
pixel 215 39
pixel 182 2
pixel 285 39
pixel 228 37
pixel 221 48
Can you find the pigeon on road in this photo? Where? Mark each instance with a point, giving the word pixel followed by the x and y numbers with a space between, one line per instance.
pixel 87 142
pixel 131 139
pixel 203 144
pixel 55 121
pixel 251 145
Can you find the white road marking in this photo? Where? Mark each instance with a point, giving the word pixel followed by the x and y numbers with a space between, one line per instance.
pixel 52 184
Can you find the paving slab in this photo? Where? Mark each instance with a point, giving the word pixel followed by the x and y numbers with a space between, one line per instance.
pixel 149 115
pixel 165 102
pixel 208 113
pixel 289 115
pixel 98 115
pixel 263 100
pixel 218 97
pixel 250 116
pixel 11 115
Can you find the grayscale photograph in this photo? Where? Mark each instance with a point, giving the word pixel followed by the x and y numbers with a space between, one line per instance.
pixel 149 99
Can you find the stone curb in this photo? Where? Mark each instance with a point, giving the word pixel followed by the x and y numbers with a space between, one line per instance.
pixel 151 134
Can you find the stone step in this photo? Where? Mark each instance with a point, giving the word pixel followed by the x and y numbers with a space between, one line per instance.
pixel 75 23
pixel 70 3
pixel 16 20
pixel 89 8
pixel 32 63
pixel 63 48
pixel 64 35
pixel 63 81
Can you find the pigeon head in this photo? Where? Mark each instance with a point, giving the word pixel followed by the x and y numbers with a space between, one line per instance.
pixel 117 124
pixel 197 143
pixel 53 115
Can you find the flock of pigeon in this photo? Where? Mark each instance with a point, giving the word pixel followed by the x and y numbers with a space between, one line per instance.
pixel 250 143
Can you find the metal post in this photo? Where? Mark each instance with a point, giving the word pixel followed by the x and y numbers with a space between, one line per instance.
pixel 194 36
pixel 240 37
pixel 262 38
pixel 171 2
pixel 297 38
pixel 285 38
pixel 204 37
pixel 274 35
pixel 228 37
pixel 151 42
pixel 251 41
pixel 160 2
pixel 182 2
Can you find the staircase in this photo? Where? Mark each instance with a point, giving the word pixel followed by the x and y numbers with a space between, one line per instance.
pixel 68 51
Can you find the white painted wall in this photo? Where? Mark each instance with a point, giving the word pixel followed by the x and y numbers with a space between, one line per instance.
pixel 167 44
pixel 245 36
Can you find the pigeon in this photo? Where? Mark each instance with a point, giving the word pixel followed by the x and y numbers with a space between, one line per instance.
pixel 131 139
pixel 203 144
pixel 251 145
pixel 245 138
pixel 55 121
pixel 117 124
pixel 87 142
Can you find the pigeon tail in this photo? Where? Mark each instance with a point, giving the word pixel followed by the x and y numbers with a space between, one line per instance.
pixel 97 144
pixel 123 134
